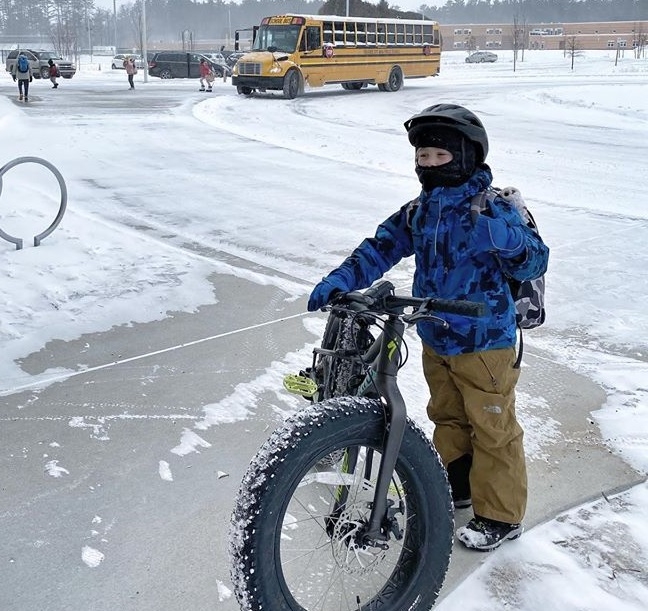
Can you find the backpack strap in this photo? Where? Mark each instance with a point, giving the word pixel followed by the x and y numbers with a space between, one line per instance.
pixel 518 360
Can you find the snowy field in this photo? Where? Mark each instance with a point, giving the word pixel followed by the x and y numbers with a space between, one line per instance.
pixel 574 142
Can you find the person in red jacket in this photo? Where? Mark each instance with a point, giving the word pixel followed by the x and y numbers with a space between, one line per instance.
pixel 53 73
pixel 206 74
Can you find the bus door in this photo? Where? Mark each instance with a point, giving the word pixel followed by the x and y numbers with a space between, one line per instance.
pixel 311 56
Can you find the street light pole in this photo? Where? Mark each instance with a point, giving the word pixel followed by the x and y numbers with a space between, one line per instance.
pixel 115 23
pixel 144 46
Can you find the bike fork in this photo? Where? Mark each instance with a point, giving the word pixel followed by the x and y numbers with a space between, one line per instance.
pixel 394 404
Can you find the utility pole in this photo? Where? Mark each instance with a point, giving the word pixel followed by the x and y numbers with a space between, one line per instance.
pixel 115 23
pixel 144 45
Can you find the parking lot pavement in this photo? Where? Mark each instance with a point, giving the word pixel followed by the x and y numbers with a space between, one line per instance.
pixel 117 488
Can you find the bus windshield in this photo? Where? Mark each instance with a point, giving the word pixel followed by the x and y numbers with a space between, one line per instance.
pixel 280 37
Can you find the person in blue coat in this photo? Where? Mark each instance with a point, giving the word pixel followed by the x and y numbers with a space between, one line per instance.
pixel 468 366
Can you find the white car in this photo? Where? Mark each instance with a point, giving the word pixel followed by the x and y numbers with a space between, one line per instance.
pixel 479 57
pixel 118 61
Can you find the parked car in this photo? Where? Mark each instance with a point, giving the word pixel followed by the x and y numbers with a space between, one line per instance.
pixel 479 57
pixel 180 64
pixel 220 61
pixel 118 61
pixel 38 62
pixel 233 57
pixel 217 58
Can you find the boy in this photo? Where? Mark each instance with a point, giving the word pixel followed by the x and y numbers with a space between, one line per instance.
pixel 53 73
pixel 469 367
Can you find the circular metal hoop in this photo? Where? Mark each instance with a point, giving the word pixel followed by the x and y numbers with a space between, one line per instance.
pixel 62 206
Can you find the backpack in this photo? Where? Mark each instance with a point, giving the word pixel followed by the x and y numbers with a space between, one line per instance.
pixel 528 295
pixel 23 64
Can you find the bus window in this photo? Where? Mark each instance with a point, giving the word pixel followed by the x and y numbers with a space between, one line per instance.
pixel 328 32
pixel 361 34
pixel 400 34
pixel 350 35
pixel 409 34
pixel 381 35
pixel 312 38
pixel 371 34
pixel 391 34
pixel 339 33
pixel 282 38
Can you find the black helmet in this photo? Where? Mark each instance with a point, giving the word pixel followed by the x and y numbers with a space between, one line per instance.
pixel 453 116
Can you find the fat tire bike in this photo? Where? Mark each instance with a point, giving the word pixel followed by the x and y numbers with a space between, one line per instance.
pixel 347 507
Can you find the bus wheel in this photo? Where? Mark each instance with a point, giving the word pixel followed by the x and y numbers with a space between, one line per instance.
pixel 395 81
pixel 355 86
pixel 291 84
pixel 241 89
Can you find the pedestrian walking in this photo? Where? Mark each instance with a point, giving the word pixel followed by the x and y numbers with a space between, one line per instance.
pixel 131 70
pixel 21 72
pixel 53 73
pixel 469 365
pixel 206 74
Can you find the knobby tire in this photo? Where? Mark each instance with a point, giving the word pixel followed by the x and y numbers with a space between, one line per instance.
pixel 290 554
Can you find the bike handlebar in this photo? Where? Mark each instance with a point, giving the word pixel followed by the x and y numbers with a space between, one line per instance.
pixel 380 298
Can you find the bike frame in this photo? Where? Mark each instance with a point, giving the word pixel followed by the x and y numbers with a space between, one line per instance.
pixel 383 358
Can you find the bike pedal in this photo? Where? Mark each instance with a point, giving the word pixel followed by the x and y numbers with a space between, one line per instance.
pixel 299 385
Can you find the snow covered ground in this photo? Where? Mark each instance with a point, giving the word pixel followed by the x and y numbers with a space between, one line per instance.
pixel 574 142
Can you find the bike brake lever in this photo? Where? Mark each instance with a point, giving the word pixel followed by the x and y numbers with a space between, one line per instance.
pixel 418 316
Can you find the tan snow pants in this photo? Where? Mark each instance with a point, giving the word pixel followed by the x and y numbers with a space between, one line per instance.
pixel 472 405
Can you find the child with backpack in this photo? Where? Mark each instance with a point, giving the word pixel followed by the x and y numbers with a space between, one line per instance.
pixel 53 72
pixel 131 70
pixel 21 71
pixel 469 366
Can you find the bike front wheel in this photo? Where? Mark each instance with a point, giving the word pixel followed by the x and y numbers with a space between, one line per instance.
pixel 296 532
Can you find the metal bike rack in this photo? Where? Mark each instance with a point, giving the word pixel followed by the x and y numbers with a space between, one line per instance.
pixel 37 238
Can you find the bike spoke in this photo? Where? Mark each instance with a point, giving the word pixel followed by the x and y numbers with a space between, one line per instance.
pixel 326 566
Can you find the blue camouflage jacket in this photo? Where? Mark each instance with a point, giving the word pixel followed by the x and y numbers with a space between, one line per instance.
pixel 437 229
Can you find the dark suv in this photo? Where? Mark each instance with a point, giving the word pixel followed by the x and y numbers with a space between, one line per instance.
pixel 38 62
pixel 180 64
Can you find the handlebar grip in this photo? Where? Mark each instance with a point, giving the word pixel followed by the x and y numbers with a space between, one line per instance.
pixel 359 300
pixel 379 291
pixel 464 308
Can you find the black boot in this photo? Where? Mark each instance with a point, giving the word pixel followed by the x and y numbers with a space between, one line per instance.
pixel 459 478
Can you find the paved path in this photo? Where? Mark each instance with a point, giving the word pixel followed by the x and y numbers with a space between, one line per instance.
pixel 105 431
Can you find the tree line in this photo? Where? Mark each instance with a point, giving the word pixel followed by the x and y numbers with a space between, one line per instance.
pixel 72 26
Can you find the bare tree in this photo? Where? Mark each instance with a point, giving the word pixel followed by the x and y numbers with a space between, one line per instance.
pixel 136 18
pixel 640 41
pixel 572 48
pixel 519 39
pixel 67 25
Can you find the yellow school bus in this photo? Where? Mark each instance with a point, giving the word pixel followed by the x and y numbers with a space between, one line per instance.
pixel 291 51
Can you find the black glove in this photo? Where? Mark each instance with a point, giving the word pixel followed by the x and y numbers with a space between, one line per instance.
pixel 13 76
pixel 30 79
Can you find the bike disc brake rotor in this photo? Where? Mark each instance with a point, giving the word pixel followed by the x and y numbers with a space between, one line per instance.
pixel 350 554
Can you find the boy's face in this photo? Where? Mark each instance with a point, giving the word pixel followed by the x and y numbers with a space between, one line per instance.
pixel 428 156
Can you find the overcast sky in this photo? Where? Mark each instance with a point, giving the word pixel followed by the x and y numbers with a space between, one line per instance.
pixel 412 5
